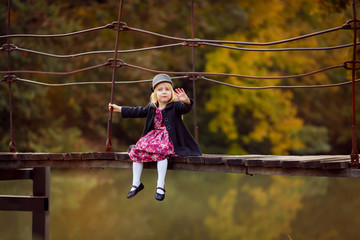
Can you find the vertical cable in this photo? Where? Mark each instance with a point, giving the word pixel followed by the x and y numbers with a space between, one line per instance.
pixel 12 141
pixel 196 132
pixel 108 147
pixel 354 152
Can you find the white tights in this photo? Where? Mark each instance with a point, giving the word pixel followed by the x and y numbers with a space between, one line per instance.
pixel 161 167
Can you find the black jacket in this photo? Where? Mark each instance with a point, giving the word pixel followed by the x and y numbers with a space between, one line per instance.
pixel 184 143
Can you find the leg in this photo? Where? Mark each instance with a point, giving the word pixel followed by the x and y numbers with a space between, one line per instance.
pixel 137 170
pixel 137 185
pixel 162 168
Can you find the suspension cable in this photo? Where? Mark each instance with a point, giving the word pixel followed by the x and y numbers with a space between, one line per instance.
pixel 185 77
pixel 96 52
pixel 120 63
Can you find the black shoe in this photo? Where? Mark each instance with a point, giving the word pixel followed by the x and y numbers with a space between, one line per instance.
pixel 159 196
pixel 134 192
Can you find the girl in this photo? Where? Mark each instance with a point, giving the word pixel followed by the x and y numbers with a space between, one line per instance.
pixel 165 133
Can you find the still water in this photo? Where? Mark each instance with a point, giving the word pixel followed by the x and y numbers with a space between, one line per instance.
pixel 91 204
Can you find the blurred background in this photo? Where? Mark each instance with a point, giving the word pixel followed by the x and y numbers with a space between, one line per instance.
pixel 91 204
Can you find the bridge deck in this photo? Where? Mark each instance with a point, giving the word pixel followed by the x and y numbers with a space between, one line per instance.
pixel 321 165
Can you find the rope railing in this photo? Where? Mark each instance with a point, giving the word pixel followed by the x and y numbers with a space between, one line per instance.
pixel 8 36
pixel 179 39
pixel 123 64
pixel 280 49
pixel 13 48
pixel 192 75
pixel 182 77
pixel 92 52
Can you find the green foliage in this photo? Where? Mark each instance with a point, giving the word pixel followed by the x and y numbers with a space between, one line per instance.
pixel 315 139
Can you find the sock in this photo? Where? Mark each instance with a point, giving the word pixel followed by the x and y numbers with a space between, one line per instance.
pixel 161 167
pixel 137 169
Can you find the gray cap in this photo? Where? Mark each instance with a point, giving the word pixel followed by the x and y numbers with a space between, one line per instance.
pixel 161 78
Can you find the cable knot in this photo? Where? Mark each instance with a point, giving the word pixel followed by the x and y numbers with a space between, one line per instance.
pixel 194 77
pixel 350 65
pixel 348 25
pixel 115 26
pixel 118 63
pixel 8 47
pixel 9 79
pixel 192 43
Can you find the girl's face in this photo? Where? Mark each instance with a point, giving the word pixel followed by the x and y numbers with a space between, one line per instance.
pixel 163 93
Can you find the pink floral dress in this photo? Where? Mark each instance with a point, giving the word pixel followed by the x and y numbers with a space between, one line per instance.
pixel 156 145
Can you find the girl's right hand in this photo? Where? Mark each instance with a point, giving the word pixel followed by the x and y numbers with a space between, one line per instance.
pixel 115 107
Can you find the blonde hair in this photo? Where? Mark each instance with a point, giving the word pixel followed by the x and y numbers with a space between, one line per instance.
pixel 153 96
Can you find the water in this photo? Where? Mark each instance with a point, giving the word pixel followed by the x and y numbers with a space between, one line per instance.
pixel 91 204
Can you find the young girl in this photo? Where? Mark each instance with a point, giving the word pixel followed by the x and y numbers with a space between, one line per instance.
pixel 165 133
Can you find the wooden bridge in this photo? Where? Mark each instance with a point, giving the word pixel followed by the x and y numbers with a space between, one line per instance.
pixel 319 165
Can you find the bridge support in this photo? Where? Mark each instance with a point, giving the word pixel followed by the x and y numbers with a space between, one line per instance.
pixel 38 203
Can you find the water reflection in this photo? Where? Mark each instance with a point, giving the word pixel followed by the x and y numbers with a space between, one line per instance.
pixel 91 204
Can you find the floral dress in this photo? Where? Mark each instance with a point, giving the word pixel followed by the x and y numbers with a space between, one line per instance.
pixel 156 145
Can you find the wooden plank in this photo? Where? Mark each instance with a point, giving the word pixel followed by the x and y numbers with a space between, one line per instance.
pixel 196 159
pixel 104 155
pixel 72 156
pixel 122 156
pixel 206 168
pixel 41 188
pixel 24 203
pixel 207 162
pixel 346 173
pixel 16 174
pixel 56 156
pixel 335 164
pixel 178 159
pixel 7 156
pixel 272 163
pixel 291 163
pixel 213 159
pixel 235 160
pixel 87 156
pixel 41 225
pixel 253 162
pixel 311 164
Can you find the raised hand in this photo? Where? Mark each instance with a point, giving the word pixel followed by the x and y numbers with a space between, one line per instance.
pixel 180 93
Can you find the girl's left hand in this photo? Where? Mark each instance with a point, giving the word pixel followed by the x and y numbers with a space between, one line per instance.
pixel 180 93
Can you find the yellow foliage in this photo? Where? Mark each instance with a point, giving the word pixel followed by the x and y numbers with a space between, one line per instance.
pixel 272 114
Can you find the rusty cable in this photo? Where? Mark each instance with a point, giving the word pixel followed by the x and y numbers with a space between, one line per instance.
pixel 108 144
pixel 13 78
pixel 55 73
pixel 200 41
pixel 55 35
pixel 196 128
pixel 277 87
pixel 279 49
pixel 233 75
pixel 15 48
pixel 12 145
pixel 94 52
pixel 125 27
pixel 354 151
pixel 120 63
